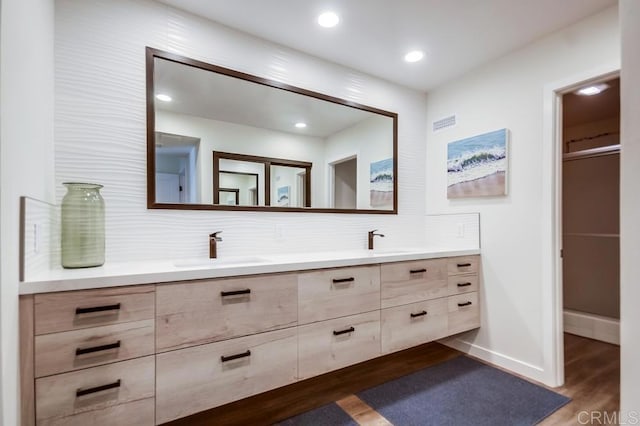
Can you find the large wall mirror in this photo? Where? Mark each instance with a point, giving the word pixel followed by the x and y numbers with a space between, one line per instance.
pixel 220 139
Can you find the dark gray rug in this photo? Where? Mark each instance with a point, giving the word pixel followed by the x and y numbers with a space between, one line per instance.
pixel 462 392
pixel 327 415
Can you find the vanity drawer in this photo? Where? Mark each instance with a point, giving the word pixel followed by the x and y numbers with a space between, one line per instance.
pixel 464 312
pixel 329 345
pixel 406 282
pixel 459 284
pixel 414 324
pixel 208 311
pixel 198 378
pixel 72 310
pixel 73 350
pixel 333 293
pixel 463 264
pixel 115 394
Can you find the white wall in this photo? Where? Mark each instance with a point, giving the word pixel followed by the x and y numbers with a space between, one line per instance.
pixel 508 92
pixel 26 152
pixel 630 206
pixel 100 120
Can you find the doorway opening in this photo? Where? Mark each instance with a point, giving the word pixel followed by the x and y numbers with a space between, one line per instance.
pixel 344 183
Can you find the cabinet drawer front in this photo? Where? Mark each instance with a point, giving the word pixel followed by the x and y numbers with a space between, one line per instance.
pixel 407 282
pixel 73 350
pixel 463 264
pixel 338 292
pixel 337 343
pixel 99 395
pixel 209 311
pixel 195 379
pixel 459 284
pixel 73 310
pixel 414 324
pixel 464 312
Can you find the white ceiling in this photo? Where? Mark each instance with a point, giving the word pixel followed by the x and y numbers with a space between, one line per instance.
pixel 374 35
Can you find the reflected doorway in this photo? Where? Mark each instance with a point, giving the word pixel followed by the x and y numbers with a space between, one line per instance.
pixel 345 183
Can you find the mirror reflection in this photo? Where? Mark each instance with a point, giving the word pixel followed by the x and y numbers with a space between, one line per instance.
pixel 226 140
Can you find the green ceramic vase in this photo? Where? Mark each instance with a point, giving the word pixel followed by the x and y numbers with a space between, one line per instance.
pixel 82 226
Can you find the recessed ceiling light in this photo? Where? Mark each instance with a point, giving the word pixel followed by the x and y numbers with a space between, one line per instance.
pixel 593 89
pixel 164 98
pixel 328 19
pixel 301 125
pixel 414 56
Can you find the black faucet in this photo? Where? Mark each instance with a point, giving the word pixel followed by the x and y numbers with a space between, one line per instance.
pixel 213 244
pixel 371 235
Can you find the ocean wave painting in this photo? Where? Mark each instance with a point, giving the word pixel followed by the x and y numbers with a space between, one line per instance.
pixel 381 183
pixel 283 196
pixel 477 166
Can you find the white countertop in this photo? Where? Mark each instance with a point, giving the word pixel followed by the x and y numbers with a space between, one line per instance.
pixel 147 272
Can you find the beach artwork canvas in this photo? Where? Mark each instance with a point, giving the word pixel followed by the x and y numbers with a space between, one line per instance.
pixel 477 166
pixel 381 183
pixel 283 196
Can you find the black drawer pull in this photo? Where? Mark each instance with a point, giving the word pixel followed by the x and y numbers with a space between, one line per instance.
pixel 82 392
pixel 83 351
pixel 343 280
pixel 80 311
pixel 464 284
pixel 235 292
pixel 463 265
pixel 417 271
pixel 345 331
pixel 464 304
pixel 236 356
pixel 419 314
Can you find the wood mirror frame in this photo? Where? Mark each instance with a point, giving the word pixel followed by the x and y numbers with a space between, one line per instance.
pixel 152 54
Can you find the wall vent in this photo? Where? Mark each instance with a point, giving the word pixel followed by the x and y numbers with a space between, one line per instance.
pixel 444 123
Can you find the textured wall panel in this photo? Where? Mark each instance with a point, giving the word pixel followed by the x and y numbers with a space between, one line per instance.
pixel 101 124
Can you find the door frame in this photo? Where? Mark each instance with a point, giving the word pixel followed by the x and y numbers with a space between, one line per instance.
pixel 552 303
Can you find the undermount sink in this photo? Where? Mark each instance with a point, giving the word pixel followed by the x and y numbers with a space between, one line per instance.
pixel 212 263
pixel 389 251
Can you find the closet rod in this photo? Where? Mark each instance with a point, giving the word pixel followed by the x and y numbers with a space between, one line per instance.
pixel 593 152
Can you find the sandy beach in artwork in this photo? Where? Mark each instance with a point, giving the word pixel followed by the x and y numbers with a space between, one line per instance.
pixel 381 198
pixel 487 186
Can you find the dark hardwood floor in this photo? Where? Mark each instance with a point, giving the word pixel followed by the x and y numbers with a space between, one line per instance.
pixel 592 371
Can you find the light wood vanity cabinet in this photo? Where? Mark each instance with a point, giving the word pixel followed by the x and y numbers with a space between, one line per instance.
pixel 149 354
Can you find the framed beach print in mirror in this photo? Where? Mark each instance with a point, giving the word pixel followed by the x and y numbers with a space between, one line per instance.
pixel 220 139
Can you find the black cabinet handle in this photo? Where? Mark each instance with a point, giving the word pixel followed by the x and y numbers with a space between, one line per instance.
pixel 419 314
pixel 82 351
pixel 464 304
pixel 235 292
pixel 343 280
pixel 464 284
pixel 417 271
pixel 236 356
pixel 345 331
pixel 463 265
pixel 80 311
pixel 82 392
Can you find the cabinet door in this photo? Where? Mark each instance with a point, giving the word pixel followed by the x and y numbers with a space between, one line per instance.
pixel 202 377
pixel 333 293
pixel 464 312
pixel 212 310
pixel 463 264
pixel 73 310
pixel 115 394
pixel 407 282
pixel 414 324
pixel 328 345
pixel 73 350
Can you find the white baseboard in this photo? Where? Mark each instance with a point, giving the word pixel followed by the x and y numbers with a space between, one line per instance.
pixel 525 369
pixel 592 326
